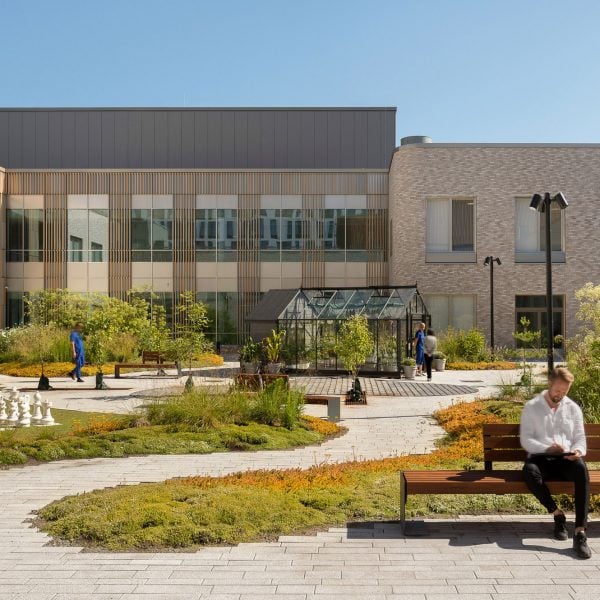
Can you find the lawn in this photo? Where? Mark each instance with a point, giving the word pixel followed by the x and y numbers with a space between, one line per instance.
pixel 253 506
pixel 200 422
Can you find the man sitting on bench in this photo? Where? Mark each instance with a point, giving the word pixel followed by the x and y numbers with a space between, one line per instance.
pixel 553 434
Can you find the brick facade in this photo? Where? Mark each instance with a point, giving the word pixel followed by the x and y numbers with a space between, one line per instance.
pixel 494 175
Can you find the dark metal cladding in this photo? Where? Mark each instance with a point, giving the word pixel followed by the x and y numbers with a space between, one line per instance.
pixel 197 138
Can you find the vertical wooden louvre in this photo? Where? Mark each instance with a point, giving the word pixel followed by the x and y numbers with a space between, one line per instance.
pixel 248 264
pixel 313 254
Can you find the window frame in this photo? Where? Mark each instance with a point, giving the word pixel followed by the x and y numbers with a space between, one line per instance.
pixel 538 256
pixel 449 255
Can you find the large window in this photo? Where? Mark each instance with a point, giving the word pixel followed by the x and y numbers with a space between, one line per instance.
pixel 216 228
pixel 87 228
pixel 152 235
pixel 457 311
pixel 222 314
pixel 530 233
pixel 534 309
pixel 450 226
pixel 24 235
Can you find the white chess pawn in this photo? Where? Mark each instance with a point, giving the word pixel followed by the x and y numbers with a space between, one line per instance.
pixel 3 415
pixel 13 394
pixel 24 414
pixel 13 417
pixel 36 419
pixel 47 418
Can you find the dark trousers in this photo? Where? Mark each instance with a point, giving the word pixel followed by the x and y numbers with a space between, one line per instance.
pixel 428 363
pixel 537 470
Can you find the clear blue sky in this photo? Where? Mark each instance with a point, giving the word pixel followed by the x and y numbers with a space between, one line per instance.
pixel 458 70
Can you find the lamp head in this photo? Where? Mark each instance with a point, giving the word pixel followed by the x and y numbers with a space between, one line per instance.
pixel 498 261
pixel 487 261
pixel 536 201
pixel 561 200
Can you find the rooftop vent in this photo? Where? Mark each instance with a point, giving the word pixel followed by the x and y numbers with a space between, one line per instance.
pixel 415 139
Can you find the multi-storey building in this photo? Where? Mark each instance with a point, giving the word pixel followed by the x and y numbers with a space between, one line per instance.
pixel 230 203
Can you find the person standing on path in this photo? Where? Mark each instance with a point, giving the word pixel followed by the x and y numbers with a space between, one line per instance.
pixel 553 434
pixel 77 352
pixel 420 348
pixel 429 347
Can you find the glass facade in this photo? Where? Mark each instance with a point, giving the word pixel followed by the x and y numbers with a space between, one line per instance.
pixel 534 309
pixel 88 235
pixel 152 235
pixel 24 235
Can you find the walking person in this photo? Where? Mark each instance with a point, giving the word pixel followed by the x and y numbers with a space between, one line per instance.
pixel 78 352
pixel 553 434
pixel 429 347
pixel 418 343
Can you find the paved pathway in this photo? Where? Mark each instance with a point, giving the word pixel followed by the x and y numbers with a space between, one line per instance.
pixel 466 558
pixel 376 386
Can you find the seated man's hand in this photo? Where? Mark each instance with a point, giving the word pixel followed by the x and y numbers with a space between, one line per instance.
pixel 574 456
pixel 555 449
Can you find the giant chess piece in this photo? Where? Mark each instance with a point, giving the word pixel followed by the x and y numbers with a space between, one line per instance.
pixel 36 419
pixel 24 413
pixel 47 418
pixel 13 415
pixel 3 415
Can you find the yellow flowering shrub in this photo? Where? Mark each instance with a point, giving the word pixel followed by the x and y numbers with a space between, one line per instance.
pixel 498 365
pixel 209 359
pixel 102 424
pixel 54 369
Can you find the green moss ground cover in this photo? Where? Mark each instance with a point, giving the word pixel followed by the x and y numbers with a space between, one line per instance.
pixel 193 423
pixel 187 513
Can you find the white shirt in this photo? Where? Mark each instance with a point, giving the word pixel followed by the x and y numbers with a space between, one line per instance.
pixel 541 426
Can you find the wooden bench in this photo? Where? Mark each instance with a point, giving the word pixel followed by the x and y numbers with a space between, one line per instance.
pixel 256 381
pixel 500 444
pixel 148 358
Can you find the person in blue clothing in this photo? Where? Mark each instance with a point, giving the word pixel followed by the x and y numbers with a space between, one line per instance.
pixel 419 344
pixel 77 352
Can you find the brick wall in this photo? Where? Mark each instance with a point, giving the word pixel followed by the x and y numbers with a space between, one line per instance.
pixel 495 176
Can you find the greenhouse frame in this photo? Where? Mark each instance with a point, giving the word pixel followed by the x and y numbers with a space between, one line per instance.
pixel 311 318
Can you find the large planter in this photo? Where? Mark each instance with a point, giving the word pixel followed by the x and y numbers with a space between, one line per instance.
pixel 409 371
pixel 100 385
pixel 272 368
pixel 439 364
pixel 249 367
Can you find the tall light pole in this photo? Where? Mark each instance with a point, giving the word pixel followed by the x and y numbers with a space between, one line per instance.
pixel 489 262
pixel 543 205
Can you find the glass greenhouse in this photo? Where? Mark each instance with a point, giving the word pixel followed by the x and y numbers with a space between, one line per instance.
pixel 312 317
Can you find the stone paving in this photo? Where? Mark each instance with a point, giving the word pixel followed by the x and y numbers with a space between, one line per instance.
pixel 489 558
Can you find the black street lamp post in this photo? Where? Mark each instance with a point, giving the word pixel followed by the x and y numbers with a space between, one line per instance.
pixel 543 205
pixel 489 262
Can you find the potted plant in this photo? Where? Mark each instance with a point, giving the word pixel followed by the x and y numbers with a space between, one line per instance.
pixel 409 366
pixel 439 361
pixel 273 346
pixel 250 356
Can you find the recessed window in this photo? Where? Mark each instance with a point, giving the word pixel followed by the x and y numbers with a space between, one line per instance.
pixel 448 310
pixel 530 233
pixel 450 227
pixel 534 309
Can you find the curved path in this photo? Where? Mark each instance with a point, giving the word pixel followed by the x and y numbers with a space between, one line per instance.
pixel 490 560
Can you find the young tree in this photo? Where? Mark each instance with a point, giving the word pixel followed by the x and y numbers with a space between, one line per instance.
pixel 354 344
pixel 191 320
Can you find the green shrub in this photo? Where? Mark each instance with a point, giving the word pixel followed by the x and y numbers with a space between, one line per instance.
pixel 459 345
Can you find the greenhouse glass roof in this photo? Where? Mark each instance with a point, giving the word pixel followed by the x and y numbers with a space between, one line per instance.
pixel 342 303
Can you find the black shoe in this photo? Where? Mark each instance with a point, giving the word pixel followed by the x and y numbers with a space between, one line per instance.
pixel 71 375
pixel 580 545
pixel 560 528
pixel 81 381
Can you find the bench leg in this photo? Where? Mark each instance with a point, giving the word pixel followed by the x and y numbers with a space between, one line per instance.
pixel 117 372
pixel 402 503
pixel 412 528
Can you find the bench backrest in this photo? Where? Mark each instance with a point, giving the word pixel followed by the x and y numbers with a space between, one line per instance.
pixel 148 356
pixel 501 444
